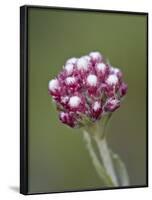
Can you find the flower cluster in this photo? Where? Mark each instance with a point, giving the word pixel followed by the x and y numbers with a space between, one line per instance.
pixel 86 89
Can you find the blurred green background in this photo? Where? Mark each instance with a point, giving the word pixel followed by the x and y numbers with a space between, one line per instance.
pixel 58 158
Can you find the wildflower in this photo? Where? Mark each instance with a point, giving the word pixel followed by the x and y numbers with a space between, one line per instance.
pixel 87 88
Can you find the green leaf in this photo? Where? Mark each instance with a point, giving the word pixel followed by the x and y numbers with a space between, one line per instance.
pixel 121 170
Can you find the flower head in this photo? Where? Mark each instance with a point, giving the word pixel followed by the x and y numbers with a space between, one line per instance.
pixel 87 89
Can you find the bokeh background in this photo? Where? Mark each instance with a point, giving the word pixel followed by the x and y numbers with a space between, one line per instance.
pixel 58 158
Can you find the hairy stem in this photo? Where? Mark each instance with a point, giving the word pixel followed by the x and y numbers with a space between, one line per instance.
pixel 106 158
pixel 96 162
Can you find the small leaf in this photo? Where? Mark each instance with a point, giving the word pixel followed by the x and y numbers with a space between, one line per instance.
pixel 121 170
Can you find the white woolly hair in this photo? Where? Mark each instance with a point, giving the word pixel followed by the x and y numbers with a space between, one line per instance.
pixel 115 70
pixel 74 101
pixel 88 58
pixel 96 106
pixel 82 63
pixel 112 79
pixel 101 67
pixel 95 54
pixel 62 115
pixel 71 60
pixel 53 84
pixel 69 68
pixel 92 80
pixel 70 80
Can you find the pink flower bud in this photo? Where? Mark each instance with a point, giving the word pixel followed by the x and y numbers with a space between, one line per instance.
pixel 112 104
pixel 123 89
pixel 82 64
pixel 70 81
pixel 74 102
pixel 101 67
pixel 92 80
pixel 102 70
pixel 112 80
pixel 117 72
pixel 77 104
pixel 72 84
pixel 69 67
pixel 112 84
pixel 92 84
pixel 54 89
pixel 67 118
pixel 53 85
pixel 96 110
pixel 96 57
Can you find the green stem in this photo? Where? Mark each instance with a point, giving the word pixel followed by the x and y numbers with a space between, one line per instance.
pixel 121 170
pixel 109 166
pixel 97 164
pixel 106 158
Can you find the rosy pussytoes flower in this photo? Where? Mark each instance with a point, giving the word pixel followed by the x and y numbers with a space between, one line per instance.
pixel 86 89
pixel 86 92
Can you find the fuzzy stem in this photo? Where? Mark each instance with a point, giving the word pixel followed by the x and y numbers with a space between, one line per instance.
pixel 97 164
pixel 106 158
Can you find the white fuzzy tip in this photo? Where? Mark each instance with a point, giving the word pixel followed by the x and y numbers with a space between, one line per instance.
pixel 112 79
pixel 95 55
pixel 71 61
pixel 96 106
pixel 70 80
pixel 63 116
pixel 101 67
pixel 69 68
pixel 53 85
pixel 74 101
pixel 82 64
pixel 92 80
pixel 88 58
pixel 115 70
